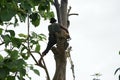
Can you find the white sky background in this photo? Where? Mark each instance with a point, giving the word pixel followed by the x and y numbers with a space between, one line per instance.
pixel 95 40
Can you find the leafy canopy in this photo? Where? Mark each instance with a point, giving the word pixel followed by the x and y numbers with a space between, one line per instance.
pixel 21 8
pixel 13 65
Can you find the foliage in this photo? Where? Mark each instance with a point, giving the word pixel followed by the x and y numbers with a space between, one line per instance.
pixel 21 8
pixel 14 65
pixel 16 50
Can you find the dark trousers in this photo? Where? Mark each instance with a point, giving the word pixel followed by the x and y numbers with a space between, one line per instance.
pixel 52 41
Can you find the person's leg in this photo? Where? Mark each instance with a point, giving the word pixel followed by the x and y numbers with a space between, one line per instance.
pixel 51 42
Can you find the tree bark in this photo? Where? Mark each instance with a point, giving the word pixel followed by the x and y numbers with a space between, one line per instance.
pixel 59 52
pixel 64 12
pixel 60 59
pixel 57 6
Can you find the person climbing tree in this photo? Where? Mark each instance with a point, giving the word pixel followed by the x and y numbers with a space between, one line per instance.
pixel 54 28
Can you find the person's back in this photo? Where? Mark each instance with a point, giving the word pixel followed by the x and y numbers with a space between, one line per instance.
pixel 53 28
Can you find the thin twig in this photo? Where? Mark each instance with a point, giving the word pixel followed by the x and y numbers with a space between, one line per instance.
pixel 29 52
pixel 33 58
pixel 73 14
pixel 28 31
pixel 2 43
pixel 42 65
pixel 69 9
pixel 28 43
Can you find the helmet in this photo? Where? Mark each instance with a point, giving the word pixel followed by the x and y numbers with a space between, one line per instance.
pixel 52 20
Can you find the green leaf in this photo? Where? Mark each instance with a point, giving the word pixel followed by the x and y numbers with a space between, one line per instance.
pixel 50 14
pixel 22 16
pixel 11 78
pixel 16 22
pixel 16 42
pixel 12 33
pixel 23 72
pixel 42 7
pixel 41 37
pixel 31 67
pixel 5 16
pixel 25 55
pixel 34 35
pixel 46 15
pixel 21 62
pixel 3 73
pixel 6 39
pixel 1 31
pixel 22 35
pixel 1 22
pixel 34 42
pixel 35 19
pixel 1 58
pixel 26 5
pixel 13 54
pixel 7 12
pixel 36 72
pixel 37 49
pixel 16 65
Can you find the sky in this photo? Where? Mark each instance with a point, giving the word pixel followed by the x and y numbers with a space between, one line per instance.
pixel 95 40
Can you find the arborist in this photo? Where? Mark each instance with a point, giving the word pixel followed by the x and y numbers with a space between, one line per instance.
pixel 54 28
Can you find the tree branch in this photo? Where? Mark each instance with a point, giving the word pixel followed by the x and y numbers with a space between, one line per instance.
pixel 30 52
pixel 73 14
pixel 40 64
pixel 69 9
pixel 28 23
pixel 2 43
pixel 43 66
pixel 69 14
pixel 57 6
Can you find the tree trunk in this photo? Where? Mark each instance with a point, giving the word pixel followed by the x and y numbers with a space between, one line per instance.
pixel 60 58
pixel 59 52
pixel 64 12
